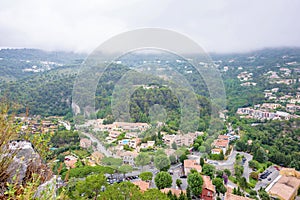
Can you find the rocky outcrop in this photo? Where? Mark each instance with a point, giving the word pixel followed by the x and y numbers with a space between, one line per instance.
pixel 25 163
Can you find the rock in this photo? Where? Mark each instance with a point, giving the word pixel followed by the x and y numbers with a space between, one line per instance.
pixel 25 163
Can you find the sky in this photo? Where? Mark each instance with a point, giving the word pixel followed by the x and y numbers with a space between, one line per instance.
pixel 221 26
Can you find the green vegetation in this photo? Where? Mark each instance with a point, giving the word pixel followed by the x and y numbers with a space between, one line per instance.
pixel 81 172
pixel 208 170
pixel 162 162
pixel 276 141
pixel 220 188
pixel 146 176
pixel 142 159
pixel 163 180
pixel 195 182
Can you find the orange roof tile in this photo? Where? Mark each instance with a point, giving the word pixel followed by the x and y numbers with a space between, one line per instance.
pixel 207 183
pixel 143 185
pixel 221 143
pixel 192 164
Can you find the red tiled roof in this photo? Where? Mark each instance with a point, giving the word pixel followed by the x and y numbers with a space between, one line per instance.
pixel 143 185
pixel 207 183
pixel 192 164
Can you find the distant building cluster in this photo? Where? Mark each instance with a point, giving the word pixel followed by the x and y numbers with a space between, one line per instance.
pixel 38 125
pixel 267 111
pixel 181 139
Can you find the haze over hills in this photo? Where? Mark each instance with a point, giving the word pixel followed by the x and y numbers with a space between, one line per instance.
pixel 46 76
pixel 260 120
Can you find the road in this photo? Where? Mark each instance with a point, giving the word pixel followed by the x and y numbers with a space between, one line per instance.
pixel 99 147
pixel 229 163
pixel 247 169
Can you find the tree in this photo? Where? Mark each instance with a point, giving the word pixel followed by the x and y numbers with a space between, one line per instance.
pixel 172 159
pixel 219 173
pixel 253 164
pixel 220 188
pixel 195 182
pixel 174 146
pixel 124 190
pixel 254 175
pixel 142 159
pixel 202 149
pixel 125 169
pixel 227 172
pixel 183 157
pixel 188 193
pixel 208 170
pixel 154 194
pixel 182 196
pixel 238 170
pixel 111 161
pixel 243 182
pixel 90 187
pixel 260 155
pixel 240 146
pixel 162 162
pixel 146 176
pixel 178 183
pixel 221 155
pixel 201 162
pixel 263 195
pixel 163 180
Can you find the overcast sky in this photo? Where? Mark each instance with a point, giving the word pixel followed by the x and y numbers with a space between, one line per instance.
pixel 82 25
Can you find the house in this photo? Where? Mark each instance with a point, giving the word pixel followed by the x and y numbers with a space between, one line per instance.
pixel 149 144
pixel 70 161
pixel 216 151
pixel 174 191
pixel 127 126
pixel 96 156
pixel 131 135
pixel 191 164
pixel 143 185
pixel 285 188
pixel 208 189
pixel 114 134
pixel 181 139
pixel 85 143
pixel 106 127
pixel 221 144
pixel 292 107
pixel 270 106
pixel 223 137
pixel 128 157
pixel 289 172
pixel 133 143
